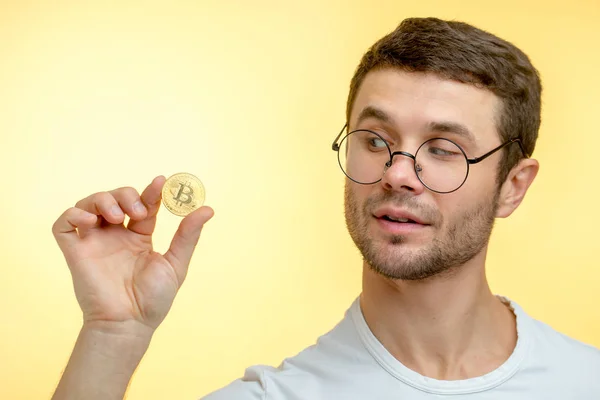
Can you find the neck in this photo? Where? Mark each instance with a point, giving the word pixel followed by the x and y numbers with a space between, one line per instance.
pixel 448 327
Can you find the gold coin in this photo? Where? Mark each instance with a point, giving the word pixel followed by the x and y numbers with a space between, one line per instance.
pixel 182 194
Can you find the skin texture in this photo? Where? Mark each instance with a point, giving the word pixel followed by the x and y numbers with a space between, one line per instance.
pixel 124 288
pixel 425 294
pixel 459 240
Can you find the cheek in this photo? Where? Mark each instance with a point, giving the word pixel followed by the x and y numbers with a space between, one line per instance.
pixel 482 177
pixel 356 194
pixel 455 205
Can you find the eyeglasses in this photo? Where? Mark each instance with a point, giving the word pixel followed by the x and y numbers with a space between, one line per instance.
pixel 441 165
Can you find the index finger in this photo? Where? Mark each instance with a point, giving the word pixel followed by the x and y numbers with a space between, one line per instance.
pixel 151 197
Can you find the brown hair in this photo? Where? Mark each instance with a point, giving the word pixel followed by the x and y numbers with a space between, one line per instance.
pixel 461 52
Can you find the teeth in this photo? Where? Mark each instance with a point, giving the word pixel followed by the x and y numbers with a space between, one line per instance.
pixel 398 219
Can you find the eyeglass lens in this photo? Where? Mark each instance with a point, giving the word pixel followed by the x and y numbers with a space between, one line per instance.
pixel 439 163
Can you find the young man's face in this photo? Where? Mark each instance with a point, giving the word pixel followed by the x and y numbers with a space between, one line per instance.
pixel 454 227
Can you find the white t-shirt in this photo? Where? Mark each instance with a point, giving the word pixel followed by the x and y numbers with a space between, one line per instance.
pixel 349 363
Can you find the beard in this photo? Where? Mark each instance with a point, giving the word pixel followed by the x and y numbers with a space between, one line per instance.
pixel 466 235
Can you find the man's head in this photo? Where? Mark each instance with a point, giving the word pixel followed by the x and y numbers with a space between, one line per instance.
pixel 431 78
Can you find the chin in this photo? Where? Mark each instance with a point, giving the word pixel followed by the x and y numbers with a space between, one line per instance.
pixel 405 261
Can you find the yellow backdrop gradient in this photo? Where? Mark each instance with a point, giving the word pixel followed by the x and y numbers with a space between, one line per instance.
pixel 248 95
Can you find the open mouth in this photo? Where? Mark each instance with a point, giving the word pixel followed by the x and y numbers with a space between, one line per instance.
pixel 398 224
pixel 400 220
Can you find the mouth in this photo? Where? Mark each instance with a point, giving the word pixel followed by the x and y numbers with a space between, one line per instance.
pixel 399 222
pixel 398 215
pixel 396 226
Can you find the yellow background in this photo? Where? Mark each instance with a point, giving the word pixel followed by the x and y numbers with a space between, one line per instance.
pixel 248 95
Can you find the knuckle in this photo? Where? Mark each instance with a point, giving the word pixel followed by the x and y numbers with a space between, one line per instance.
pixel 55 227
pixel 60 220
pixel 104 195
pixel 103 199
pixel 96 198
pixel 127 193
pixel 71 211
pixel 131 193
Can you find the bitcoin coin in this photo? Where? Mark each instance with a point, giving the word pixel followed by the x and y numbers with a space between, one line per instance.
pixel 182 194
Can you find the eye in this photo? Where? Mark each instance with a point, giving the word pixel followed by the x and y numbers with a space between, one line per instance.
pixel 377 142
pixel 438 151
pixel 441 150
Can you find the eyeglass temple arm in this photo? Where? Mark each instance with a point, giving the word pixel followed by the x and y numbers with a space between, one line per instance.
pixel 489 153
pixel 336 146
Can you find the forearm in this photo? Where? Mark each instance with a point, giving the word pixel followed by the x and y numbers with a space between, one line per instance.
pixel 103 362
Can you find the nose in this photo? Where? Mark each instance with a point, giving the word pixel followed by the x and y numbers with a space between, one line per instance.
pixel 399 174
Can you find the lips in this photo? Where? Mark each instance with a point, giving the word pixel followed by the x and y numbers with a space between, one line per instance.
pixel 404 220
pixel 398 216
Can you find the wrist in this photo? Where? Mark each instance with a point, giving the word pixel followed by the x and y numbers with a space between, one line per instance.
pixel 118 339
pixel 122 330
pixel 105 357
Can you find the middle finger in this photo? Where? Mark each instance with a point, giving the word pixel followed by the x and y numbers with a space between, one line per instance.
pixel 130 202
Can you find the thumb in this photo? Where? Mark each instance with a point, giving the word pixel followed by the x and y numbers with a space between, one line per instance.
pixel 185 240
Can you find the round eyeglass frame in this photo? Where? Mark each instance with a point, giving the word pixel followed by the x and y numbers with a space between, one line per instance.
pixel 469 161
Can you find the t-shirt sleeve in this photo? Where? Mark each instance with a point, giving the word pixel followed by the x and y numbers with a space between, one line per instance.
pixel 252 386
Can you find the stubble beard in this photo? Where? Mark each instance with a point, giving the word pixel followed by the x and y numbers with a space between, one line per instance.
pixel 465 236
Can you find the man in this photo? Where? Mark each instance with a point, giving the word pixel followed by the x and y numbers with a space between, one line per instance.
pixel 441 121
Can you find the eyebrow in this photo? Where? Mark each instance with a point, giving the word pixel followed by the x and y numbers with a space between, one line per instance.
pixel 371 112
pixel 456 128
pixel 452 127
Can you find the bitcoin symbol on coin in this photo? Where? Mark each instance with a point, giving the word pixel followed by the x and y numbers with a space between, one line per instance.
pixel 182 194
pixel 188 195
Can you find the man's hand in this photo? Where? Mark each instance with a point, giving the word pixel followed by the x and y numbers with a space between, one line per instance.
pixel 124 288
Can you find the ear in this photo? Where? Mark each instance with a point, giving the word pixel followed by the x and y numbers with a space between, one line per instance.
pixel 515 186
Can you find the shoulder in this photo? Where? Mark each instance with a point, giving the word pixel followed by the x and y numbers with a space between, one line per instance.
pixel 564 362
pixel 252 386
pixel 563 347
pixel 335 354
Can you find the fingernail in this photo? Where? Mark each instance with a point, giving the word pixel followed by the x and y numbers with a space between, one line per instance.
pixel 116 210
pixel 138 207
